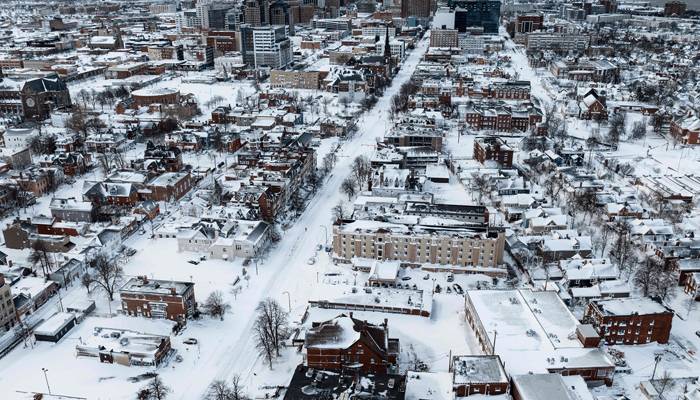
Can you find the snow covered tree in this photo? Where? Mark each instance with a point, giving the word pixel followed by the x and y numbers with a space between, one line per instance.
pixel 215 305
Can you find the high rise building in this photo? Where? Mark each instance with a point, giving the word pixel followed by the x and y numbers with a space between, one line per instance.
pixel 417 8
pixel 272 47
pixel 483 14
pixel 257 12
pixel 245 44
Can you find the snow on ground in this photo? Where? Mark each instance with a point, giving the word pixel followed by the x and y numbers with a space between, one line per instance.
pixel 226 347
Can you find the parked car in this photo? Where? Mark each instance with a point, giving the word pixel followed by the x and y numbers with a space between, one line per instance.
pixel 450 278
pixel 448 290
pixel 190 341
pixel 697 333
pixel 193 262
pixel 458 288
pixel 311 261
pixel 405 278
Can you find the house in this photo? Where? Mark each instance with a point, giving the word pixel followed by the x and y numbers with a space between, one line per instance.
pixel 630 320
pixel 173 300
pixel 54 328
pixel 483 375
pixel 125 347
pixel 36 290
pixel 564 244
pixel 692 285
pixel 169 186
pixel 592 106
pixel 73 210
pixel 345 341
pixel 686 130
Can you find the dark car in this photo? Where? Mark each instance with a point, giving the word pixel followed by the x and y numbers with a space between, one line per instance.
pixel 458 288
pixel 193 262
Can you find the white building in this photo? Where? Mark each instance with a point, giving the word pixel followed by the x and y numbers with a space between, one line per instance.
pixel 272 47
pixel 19 138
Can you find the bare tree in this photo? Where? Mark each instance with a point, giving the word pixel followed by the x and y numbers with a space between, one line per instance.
pixel 215 305
pixel 154 390
pixel 655 278
pixel 348 187
pixel 40 256
pixel 270 328
pixel 481 184
pixel 105 274
pixel 361 170
pixel 219 390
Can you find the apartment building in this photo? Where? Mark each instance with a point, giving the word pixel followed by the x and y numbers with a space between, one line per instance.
pixel 295 79
pixel 630 320
pixel 557 41
pixel 493 148
pixel 481 247
pixel 8 315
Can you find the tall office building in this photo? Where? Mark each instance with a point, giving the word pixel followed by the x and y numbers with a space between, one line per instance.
pixel 212 15
pixel 484 14
pixel 246 44
pixel 257 12
pixel 272 47
pixel 417 8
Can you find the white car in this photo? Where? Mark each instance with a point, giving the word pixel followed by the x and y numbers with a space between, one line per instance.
pixel 311 261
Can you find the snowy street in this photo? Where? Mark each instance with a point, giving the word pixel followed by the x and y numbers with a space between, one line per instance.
pixel 286 269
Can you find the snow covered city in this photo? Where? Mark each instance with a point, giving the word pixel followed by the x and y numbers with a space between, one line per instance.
pixel 350 200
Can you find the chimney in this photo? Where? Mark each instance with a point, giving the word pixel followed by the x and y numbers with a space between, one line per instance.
pixel 173 291
pixel 144 279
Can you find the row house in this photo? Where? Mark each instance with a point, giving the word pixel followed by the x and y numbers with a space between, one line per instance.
pixel 502 117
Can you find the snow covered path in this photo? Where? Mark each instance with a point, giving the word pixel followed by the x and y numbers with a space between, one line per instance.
pixel 286 269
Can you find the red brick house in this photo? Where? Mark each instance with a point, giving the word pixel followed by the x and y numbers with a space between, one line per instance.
pixel 169 186
pixel 686 130
pixel 344 342
pixel 158 299
pixel 592 106
pixel 630 320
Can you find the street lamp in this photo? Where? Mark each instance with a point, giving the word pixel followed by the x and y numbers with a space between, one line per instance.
pixel 46 378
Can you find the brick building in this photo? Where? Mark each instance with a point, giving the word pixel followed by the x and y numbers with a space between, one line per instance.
pixel 169 186
pixel 295 79
pixel 345 341
pixel 158 299
pixel 493 148
pixel 630 320
pixel 686 130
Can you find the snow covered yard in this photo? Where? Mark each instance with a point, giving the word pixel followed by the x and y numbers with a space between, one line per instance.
pixel 80 376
